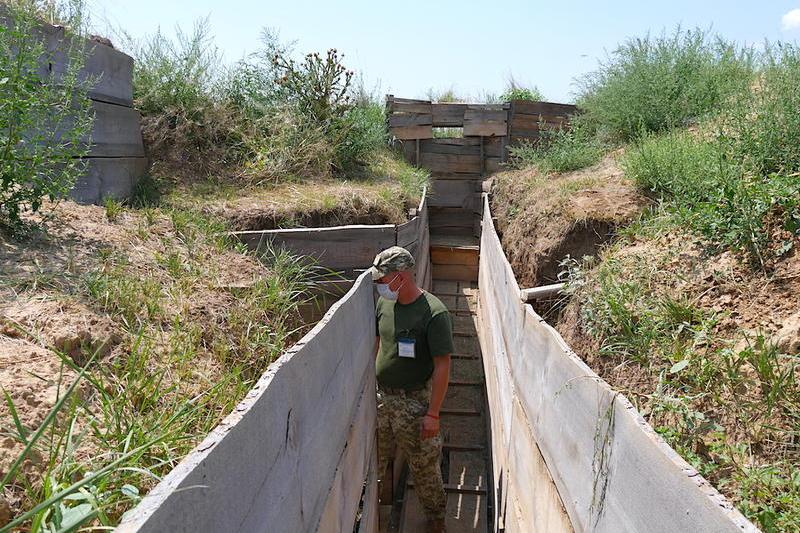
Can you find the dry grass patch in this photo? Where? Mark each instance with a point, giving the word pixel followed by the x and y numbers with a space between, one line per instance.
pixel 173 324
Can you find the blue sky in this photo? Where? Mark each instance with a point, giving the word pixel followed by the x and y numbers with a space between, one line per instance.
pixel 411 46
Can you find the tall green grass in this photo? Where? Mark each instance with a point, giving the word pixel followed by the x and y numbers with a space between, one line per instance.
pixel 559 149
pixel 652 84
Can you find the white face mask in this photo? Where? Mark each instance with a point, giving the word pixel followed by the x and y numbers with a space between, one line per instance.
pixel 385 292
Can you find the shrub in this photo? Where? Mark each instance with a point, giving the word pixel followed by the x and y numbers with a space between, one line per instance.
pixel 676 165
pixel 517 91
pixel 696 179
pixel 559 150
pixel 653 84
pixel 319 85
pixel 290 147
pixel 45 119
pixel 763 128
pixel 359 134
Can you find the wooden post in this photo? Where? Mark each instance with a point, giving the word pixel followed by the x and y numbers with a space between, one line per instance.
pixel 483 159
pixel 416 158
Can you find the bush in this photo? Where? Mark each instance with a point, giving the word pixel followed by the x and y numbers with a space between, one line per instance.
pixel 559 150
pixel 176 77
pixel 676 165
pixel 290 147
pixel 763 128
pixel 699 184
pixel 517 91
pixel 319 86
pixel 45 119
pixel 359 134
pixel 654 84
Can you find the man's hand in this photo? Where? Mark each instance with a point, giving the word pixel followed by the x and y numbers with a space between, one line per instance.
pixel 430 427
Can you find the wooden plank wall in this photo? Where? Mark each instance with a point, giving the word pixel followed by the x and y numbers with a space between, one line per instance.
pixel 347 250
pixel 568 450
pixel 526 119
pixel 116 159
pixel 296 453
pixel 458 165
pixel 344 251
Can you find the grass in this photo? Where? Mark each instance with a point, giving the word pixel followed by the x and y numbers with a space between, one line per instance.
pixel 728 405
pixel 654 84
pixel 559 150
pixel 176 372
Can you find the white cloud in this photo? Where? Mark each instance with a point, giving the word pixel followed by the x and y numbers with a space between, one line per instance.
pixel 791 20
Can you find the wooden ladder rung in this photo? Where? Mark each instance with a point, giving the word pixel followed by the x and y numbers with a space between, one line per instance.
pixel 455 447
pixel 464 383
pixel 455 411
pixel 460 489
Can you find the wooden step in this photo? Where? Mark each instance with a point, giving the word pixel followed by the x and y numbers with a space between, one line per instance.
pixel 458 489
pixel 453 411
pixel 454 257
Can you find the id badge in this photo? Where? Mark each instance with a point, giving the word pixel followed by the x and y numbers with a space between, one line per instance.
pixel 405 347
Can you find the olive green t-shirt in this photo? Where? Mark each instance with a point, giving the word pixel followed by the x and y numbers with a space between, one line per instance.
pixel 427 323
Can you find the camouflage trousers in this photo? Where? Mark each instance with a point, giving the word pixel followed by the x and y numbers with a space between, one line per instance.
pixel 400 416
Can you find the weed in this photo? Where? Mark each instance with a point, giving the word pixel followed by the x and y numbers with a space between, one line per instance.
pixel 113 208
pixel 517 91
pixel 559 150
pixel 653 84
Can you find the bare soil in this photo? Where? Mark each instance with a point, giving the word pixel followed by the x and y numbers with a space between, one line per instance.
pixel 46 311
pixel 543 219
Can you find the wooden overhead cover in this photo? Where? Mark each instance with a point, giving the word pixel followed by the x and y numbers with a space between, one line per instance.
pixel 410 119
pixel 485 121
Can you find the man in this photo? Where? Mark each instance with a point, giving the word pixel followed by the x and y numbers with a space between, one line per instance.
pixel 414 343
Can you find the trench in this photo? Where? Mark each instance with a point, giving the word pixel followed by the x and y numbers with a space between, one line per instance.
pixel 534 440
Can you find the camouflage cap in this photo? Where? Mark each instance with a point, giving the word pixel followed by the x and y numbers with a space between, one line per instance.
pixel 394 259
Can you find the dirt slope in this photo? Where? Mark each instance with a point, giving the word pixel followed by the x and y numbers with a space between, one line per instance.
pixel 542 219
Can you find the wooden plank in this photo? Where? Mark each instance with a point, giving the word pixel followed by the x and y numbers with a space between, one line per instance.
pixel 543 108
pixel 484 122
pixel 109 69
pixel 406 105
pixel 413 516
pixel 455 272
pixel 408 232
pixel 455 488
pixel 339 513
pixel 493 164
pixel 493 146
pixel 450 162
pixel 270 465
pixel 448 115
pixel 474 176
pixel 533 121
pixel 338 248
pixel 451 217
pixel 454 193
pixel 371 511
pixel 446 146
pixel 466 513
pixel 454 256
pixel 409 119
pixel 535 383
pixel 412 132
